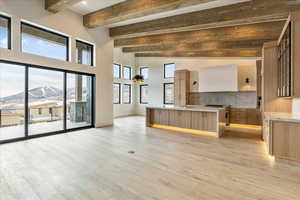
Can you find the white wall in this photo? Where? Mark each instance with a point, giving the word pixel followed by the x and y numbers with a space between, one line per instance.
pixel 155 82
pixel 127 59
pixel 156 79
pixel 71 24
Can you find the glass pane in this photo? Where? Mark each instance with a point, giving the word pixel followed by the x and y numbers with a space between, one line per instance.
pixel 127 73
pixel 84 53
pixel 169 70
pixel 45 101
pixel 79 100
pixel 144 72
pixel 144 94
pixel 126 94
pixel 117 69
pixel 116 90
pixel 169 93
pixel 44 43
pixel 12 101
pixel 4 23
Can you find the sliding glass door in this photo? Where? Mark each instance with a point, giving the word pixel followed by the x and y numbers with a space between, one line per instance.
pixel 79 100
pixel 37 101
pixel 45 101
pixel 12 101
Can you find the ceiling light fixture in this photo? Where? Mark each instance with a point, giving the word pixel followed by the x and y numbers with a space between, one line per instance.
pixel 84 2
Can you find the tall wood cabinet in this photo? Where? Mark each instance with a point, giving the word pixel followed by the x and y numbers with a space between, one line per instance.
pixel 182 87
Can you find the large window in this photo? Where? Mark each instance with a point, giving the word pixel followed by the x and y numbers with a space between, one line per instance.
pixel 4 32
pixel 168 93
pixel 126 94
pixel 84 53
pixel 145 72
pixel 117 71
pixel 43 101
pixel 117 93
pixel 169 70
pixel 127 73
pixel 143 94
pixel 42 42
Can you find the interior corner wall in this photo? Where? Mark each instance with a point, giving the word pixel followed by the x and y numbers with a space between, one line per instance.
pixel 125 59
pixel 71 24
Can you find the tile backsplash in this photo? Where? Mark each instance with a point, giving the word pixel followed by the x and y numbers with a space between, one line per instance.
pixel 235 99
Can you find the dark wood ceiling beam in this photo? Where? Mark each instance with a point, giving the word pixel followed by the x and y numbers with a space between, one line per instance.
pixel 199 46
pixel 263 31
pixel 132 9
pixel 256 11
pixel 230 53
pixel 58 5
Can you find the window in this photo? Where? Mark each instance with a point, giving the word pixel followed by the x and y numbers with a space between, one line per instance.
pixel 84 53
pixel 117 93
pixel 127 73
pixel 42 42
pixel 117 71
pixel 126 94
pixel 143 94
pixel 144 71
pixel 168 93
pixel 169 70
pixel 43 101
pixel 4 32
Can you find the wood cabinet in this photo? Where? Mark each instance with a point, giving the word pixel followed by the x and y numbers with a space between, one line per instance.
pixel 182 87
pixel 286 140
pixel 285 64
pixel 245 116
pixel 270 100
pixel 204 121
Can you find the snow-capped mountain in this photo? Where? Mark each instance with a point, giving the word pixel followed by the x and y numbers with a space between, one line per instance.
pixel 34 94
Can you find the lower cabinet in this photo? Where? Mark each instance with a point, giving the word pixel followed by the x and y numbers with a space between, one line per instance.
pixel 204 121
pixel 286 140
pixel 245 116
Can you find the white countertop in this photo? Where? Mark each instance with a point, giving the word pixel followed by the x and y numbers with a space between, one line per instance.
pixel 279 116
pixel 187 108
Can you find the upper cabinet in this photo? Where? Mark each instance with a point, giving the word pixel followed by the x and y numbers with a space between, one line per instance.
pixel 285 63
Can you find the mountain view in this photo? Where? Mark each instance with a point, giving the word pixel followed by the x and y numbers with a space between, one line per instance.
pixel 35 95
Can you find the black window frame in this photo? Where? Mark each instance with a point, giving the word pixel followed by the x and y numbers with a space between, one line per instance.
pixel 130 72
pixel 120 71
pixel 165 93
pixel 130 91
pixel 26 103
pixel 141 88
pixel 119 102
pixel 92 51
pixel 165 70
pixel 141 68
pixel 8 30
pixel 48 31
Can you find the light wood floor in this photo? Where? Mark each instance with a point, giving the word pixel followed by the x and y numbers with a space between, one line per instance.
pixel 95 164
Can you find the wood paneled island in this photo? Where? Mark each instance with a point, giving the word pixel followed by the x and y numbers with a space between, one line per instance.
pixel 189 118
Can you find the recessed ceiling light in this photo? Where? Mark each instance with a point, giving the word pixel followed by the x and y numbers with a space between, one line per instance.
pixel 84 2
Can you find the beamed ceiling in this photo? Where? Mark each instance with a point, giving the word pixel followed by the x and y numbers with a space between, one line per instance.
pixel 166 28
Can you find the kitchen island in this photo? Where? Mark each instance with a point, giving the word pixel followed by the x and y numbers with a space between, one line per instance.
pixel 193 119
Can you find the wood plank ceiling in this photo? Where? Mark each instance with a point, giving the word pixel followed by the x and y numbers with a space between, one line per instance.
pixel 237 30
